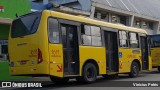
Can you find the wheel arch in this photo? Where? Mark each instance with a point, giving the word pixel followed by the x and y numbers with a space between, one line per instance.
pixel 93 62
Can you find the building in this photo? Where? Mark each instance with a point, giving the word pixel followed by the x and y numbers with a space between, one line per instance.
pixel 8 11
pixel 137 13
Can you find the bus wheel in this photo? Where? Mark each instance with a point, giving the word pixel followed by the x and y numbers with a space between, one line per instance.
pixel 159 68
pixel 134 70
pixel 89 73
pixel 59 80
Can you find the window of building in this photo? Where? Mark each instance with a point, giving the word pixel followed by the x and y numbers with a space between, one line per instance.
pixel 97 15
pixel 115 19
pixel 137 23
pixel 145 25
pixel 119 19
pixel 151 25
pixel 91 35
pixel 134 40
pixel 123 20
pixel 123 42
pixel 102 15
pixel 53 27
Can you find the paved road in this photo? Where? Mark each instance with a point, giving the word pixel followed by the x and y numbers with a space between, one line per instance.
pixel 73 85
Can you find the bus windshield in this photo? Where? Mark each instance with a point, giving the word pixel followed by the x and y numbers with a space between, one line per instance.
pixel 155 41
pixel 25 25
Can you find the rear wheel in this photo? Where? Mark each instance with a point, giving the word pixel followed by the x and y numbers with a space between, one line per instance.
pixel 59 80
pixel 134 70
pixel 89 74
pixel 159 68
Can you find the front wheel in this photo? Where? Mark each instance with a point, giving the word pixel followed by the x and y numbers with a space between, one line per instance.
pixel 134 70
pixel 89 73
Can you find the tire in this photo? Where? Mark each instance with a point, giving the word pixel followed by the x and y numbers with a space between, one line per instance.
pixel 59 80
pixel 158 68
pixel 134 70
pixel 89 74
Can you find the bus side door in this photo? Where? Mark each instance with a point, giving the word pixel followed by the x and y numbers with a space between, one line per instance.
pixel 146 58
pixel 55 48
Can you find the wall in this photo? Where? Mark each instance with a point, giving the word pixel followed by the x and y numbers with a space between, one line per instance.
pixel 11 7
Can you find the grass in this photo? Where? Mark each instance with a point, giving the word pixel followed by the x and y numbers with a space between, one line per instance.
pixel 5 74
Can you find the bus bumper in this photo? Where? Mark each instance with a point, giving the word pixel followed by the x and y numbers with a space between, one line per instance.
pixel 30 70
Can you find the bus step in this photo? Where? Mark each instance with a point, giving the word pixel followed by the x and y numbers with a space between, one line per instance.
pixel 112 72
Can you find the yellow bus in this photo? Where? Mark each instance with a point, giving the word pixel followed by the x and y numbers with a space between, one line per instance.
pixel 65 46
pixel 155 51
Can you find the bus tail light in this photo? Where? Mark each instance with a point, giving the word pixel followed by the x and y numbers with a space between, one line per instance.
pixel 40 58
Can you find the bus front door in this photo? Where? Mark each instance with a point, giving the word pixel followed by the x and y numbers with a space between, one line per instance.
pixel 70 49
pixel 145 50
pixel 111 51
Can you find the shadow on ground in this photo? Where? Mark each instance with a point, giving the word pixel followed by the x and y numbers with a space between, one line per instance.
pixel 101 82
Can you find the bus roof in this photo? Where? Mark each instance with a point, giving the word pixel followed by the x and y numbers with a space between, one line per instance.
pixel 94 22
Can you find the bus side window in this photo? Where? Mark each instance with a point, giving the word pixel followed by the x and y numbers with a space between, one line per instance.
pixel 96 36
pixel 53 27
pixel 134 43
pixel 91 35
pixel 123 42
pixel 86 34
